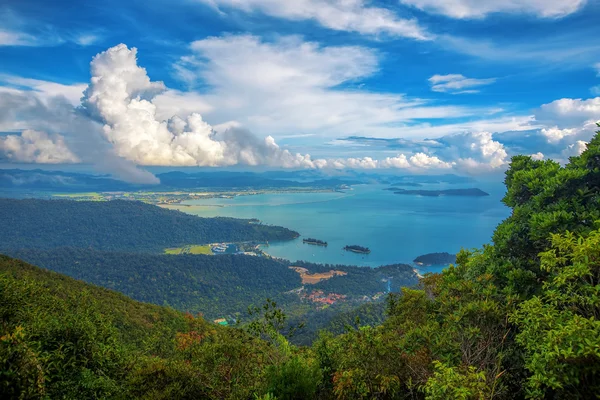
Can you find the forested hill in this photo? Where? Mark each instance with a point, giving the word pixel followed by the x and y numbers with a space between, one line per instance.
pixel 118 226
pixel 212 285
pixel 61 338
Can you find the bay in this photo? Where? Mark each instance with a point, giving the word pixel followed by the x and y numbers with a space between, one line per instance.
pixel 397 228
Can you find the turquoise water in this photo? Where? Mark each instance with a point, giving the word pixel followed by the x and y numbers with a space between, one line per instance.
pixel 397 228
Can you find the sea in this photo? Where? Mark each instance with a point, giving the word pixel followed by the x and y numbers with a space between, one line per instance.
pixel 397 228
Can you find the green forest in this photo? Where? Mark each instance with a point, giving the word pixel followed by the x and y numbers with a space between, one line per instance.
pixel 516 319
pixel 119 226
pixel 211 285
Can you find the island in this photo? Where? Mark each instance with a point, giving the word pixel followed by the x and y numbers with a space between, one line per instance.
pixel 435 259
pixel 471 192
pixel 409 184
pixel 315 242
pixel 357 249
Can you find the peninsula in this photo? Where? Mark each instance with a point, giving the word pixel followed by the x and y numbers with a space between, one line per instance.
pixel 357 249
pixel 471 192
pixel 435 259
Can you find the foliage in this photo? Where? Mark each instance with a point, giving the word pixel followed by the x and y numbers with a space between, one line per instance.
pixel 450 383
pixel 559 328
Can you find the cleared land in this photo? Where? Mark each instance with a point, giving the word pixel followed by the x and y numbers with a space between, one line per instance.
pixel 196 249
pixel 311 279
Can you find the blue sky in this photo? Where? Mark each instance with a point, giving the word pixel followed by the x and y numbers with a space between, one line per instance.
pixel 407 85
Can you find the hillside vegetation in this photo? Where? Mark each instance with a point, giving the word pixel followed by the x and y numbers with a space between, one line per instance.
pixel 118 226
pixel 211 285
pixel 518 319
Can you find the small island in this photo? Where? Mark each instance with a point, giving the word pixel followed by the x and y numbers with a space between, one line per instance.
pixel 314 242
pixel 407 184
pixel 435 259
pixel 357 249
pixel 471 192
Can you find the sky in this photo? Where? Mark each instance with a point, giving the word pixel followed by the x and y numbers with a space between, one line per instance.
pixel 407 86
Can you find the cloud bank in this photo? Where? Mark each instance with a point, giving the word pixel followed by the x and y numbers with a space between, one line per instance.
pixel 125 119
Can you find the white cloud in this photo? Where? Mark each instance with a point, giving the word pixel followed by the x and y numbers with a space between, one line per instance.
pixel 122 98
pixel 474 152
pixel 457 83
pixel 86 39
pixel 422 160
pixel 121 95
pixel 481 8
pixel 569 122
pixel 415 163
pixel 290 87
pixel 45 89
pixel 537 156
pixel 15 38
pixel 341 15
pixel 569 112
pixel 399 161
pixel 555 51
pixel 287 86
pixel 36 147
pixel 575 149
pixel 555 134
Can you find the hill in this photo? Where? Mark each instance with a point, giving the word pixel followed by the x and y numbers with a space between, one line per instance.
pixel 212 285
pixel 61 338
pixel 215 286
pixel 119 226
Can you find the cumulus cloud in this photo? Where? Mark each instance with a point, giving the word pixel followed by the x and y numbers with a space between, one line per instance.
pixel 422 160
pixel 36 147
pixel 341 15
pixel 554 134
pixel 414 163
pixel 121 96
pixel 569 112
pixel 476 152
pixel 570 123
pixel 575 149
pixel 481 8
pixel 537 156
pixel 457 83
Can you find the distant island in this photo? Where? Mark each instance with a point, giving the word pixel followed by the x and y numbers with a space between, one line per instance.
pixel 409 184
pixel 471 192
pixel 357 249
pixel 315 242
pixel 435 259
